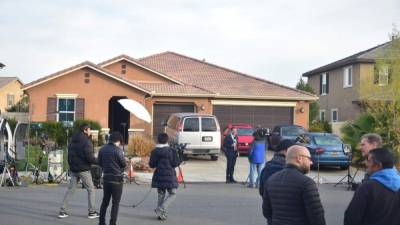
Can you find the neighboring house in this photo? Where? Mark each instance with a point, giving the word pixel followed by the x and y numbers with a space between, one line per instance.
pixel 338 83
pixel 164 83
pixel 10 92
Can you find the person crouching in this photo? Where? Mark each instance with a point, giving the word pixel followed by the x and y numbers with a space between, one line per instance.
pixel 164 159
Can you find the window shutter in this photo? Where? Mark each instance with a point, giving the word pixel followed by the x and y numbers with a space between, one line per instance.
pixel 51 109
pixel 327 83
pixel 80 108
pixel 320 84
pixel 390 72
pixel 376 75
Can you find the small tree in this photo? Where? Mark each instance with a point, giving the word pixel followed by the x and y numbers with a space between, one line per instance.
pixel 21 106
pixel 314 107
pixel 380 93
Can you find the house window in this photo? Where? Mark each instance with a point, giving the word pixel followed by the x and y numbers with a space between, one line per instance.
pixel 324 84
pixel 10 100
pixel 348 76
pixel 66 110
pixel 334 115
pixel 322 115
pixel 383 75
pixel 123 69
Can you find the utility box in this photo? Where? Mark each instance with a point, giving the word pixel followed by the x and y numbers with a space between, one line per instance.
pixel 55 162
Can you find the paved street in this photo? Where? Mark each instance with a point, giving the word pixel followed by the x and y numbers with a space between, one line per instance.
pixel 198 204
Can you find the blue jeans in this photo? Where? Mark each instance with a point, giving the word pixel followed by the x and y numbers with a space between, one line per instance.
pixel 253 176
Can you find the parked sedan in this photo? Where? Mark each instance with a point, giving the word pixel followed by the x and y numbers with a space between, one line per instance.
pixel 327 148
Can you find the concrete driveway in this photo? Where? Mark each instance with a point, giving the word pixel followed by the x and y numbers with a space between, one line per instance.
pixel 202 169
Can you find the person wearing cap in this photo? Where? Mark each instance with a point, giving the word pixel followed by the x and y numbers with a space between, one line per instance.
pixel 277 163
pixel 112 161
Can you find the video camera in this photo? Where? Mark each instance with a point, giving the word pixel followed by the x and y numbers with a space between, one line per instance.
pixel 261 133
pixel 180 149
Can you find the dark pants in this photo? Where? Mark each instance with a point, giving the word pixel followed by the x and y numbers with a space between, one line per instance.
pixel 114 190
pixel 230 161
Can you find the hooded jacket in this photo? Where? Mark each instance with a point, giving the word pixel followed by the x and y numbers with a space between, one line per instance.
pixel 164 159
pixel 376 201
pixel 80 153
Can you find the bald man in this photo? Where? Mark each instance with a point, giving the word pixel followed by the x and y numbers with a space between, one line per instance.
pixel 290 197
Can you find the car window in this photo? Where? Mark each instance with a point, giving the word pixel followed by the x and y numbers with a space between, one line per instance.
pixel 245 131
pixel 327 140
pixel 292 131
pixel 208 124
pixel 191 125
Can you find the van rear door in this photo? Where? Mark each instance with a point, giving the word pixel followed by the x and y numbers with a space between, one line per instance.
pixel 210 134
pixel 191 132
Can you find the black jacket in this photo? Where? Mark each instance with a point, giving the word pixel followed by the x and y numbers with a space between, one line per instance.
pixel 291 198
pixel 80 153
pixel 111 160
pixel 164 159
pixel 373 204
pixel 277 163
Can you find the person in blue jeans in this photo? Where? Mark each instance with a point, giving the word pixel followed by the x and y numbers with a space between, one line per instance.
pixel 257 160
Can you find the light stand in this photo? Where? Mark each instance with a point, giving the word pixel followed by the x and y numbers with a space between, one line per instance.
pixel 318 151
pixel 6 171
pixel 123 144
pixel 350 179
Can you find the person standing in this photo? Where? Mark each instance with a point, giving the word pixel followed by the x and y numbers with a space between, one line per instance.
pixel 80 158
pixel 377 200
pixel 230 145
pixel 277 163
pixel 257 160
pixel 290 197
pixel 112 161
pixel 164 159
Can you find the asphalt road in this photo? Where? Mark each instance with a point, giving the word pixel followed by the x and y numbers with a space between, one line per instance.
pixel 197 204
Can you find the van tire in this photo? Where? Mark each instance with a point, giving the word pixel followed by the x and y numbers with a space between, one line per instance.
pixel 214 157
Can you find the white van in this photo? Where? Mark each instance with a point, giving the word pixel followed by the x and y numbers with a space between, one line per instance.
pixel 200 132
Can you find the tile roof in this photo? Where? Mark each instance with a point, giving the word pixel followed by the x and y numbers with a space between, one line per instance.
pixel 6 80
pixel 225 83
pixel 366 56
pixel 167 89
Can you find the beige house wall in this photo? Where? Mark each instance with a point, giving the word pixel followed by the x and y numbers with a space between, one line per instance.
pixel 135 73
pixel 13 88
pixel 96 93
pixel 339 97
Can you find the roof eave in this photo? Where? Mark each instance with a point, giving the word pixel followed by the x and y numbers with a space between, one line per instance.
pixel 141 66
pixel 333 66
pixel 155 94
pixel 311 98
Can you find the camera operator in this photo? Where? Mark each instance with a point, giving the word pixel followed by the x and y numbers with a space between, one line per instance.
pixel 80 158
pixel 111 160
pixel 164 159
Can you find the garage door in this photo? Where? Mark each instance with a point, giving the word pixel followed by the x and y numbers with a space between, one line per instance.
pixel 162 111
pixel 266 116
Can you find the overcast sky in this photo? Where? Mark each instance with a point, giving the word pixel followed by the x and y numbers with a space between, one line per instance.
pixel 273 40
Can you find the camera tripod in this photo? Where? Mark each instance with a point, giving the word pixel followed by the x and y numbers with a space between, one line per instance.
pixel 6 170
pixel 350 179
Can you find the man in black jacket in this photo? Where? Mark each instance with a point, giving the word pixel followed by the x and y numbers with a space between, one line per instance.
pixel 164 159
pixel 290 197
pixel 112 161
pixel 377 200
pixel 231 152
pixel 80 158
pixel 277 163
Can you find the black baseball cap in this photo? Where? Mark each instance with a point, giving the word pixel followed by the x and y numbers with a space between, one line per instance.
pixel 284 144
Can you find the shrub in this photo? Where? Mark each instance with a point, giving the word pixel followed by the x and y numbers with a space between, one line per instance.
pixel 140 145
pixel 320 126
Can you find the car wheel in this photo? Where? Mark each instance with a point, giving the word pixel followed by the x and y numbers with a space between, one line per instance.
pixel 214 157
pixel 344 167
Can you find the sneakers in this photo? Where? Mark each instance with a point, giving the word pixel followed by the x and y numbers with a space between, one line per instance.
pixel 161 215
pixel 62 215
pixel 93 215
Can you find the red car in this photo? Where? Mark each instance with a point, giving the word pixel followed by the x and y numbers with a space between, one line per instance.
pixel 245 136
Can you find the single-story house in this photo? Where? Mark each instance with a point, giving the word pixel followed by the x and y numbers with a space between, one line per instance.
pixel 164 83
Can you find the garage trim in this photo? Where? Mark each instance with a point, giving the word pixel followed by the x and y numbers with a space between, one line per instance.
pixel 253 103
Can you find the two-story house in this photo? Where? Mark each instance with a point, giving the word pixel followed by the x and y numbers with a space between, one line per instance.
pixel 338 84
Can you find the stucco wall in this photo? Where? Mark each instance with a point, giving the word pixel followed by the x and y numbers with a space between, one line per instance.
pixel 14 88
pixel 96 93
pixel 136 73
